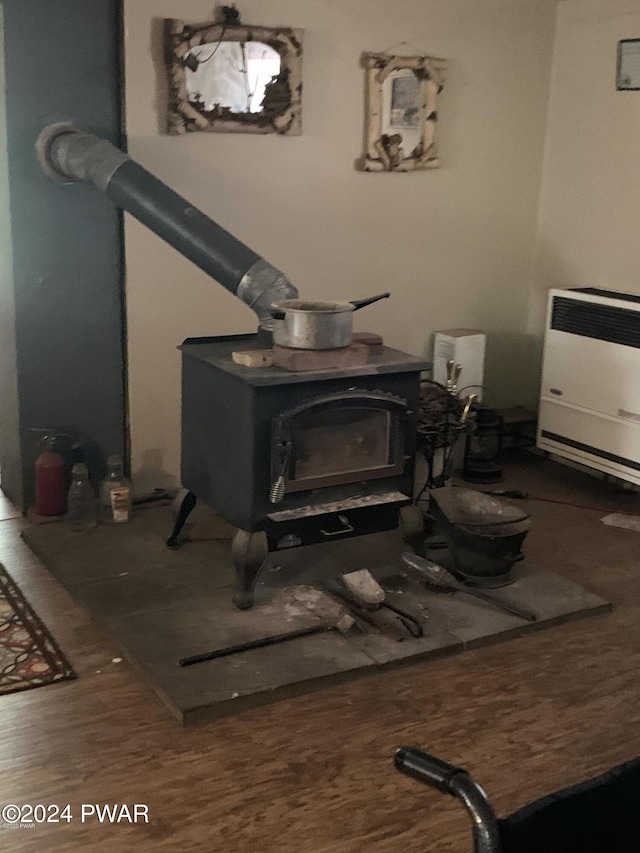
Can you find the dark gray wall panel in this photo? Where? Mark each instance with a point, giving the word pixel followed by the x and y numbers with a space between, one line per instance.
pixel 63 64
pixel 10 466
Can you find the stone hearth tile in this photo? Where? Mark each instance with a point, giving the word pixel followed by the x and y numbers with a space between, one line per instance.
pixel 437 641
pixel 552 598
pixel 105 551
pixel 156 641
pixel 155 588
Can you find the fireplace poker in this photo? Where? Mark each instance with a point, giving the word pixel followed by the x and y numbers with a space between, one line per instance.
pixel 343 623
pixel 262 643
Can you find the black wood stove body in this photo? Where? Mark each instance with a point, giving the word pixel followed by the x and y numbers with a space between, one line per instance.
pixel 296 458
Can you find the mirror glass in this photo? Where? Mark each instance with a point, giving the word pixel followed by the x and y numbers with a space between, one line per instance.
pixel 228 78
pixel 402 109
pixel 231 74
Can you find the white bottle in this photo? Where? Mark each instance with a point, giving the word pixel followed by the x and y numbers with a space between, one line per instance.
pixel 115 494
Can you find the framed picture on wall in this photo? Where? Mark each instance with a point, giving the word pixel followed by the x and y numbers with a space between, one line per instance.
pixel 405 101
pixel 628 65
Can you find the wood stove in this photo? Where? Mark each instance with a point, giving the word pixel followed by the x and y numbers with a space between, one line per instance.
pixel 296 458
pixel 290 457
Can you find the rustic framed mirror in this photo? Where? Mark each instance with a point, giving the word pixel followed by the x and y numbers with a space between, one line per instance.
pixel 233 79
pixel 401 112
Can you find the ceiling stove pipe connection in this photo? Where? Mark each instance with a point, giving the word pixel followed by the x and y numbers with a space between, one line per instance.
pixel 68 154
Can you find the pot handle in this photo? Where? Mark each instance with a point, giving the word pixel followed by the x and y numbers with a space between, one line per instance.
pixel 360 303
pixel 278 315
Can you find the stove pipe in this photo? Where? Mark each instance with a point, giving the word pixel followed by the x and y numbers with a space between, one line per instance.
pixel 67 154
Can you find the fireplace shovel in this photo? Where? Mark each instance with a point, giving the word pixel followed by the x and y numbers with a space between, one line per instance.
pixel 437 577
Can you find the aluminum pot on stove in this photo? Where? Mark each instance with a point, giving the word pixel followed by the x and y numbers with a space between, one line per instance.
pixel 303 324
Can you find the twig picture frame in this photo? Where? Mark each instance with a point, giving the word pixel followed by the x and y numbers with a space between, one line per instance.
pixel 628 65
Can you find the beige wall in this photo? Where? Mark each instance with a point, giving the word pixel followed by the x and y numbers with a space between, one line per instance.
pixel 590 201
pixel 453 245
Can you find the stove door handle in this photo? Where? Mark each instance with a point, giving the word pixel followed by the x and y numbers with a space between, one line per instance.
pixel 279 486
pixel 347 527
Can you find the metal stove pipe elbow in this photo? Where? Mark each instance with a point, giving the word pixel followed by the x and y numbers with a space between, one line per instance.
pixel 68 154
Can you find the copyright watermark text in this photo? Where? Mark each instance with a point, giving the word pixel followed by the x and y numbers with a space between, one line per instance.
pixel 28 815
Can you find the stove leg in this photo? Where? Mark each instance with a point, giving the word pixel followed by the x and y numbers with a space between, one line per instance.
pixel 249 552
pixel 188 503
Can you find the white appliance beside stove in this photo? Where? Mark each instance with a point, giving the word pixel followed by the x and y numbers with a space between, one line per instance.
pixel 590 391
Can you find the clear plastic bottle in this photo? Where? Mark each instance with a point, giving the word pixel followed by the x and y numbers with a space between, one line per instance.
pixel 115 494
pixel 82 510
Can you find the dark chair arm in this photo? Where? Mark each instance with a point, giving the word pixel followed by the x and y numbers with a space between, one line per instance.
pixel 455 781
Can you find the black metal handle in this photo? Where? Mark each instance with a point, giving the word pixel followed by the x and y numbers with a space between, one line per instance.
pixel 347 527
pixel 360 303
pixel 426 768
pixel 455 781
pixel 278 315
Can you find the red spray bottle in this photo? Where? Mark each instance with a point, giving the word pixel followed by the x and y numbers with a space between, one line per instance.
pixel 51 481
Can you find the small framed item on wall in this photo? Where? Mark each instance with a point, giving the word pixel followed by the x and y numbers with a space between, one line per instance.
pixel 401 112
pixel 628 65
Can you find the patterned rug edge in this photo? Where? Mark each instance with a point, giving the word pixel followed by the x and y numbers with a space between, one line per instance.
pixel 42 644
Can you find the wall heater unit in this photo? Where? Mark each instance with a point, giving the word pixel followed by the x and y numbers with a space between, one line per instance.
pixel 590 394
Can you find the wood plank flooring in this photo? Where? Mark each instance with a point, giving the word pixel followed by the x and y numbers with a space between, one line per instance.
pixel 315 773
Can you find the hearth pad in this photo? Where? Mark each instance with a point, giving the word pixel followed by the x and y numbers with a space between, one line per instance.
pixel 161 606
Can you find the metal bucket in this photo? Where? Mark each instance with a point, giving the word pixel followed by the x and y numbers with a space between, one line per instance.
pixel 484 534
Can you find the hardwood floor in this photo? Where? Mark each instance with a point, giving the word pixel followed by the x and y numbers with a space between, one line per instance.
pixel 315 773
pixel 7 510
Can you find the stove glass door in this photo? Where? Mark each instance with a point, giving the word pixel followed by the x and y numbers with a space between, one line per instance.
pixel 342 439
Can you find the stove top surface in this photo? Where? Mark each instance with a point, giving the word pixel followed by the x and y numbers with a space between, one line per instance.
pixel 216 351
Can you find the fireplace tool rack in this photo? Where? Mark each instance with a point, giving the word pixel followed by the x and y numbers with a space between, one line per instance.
pixel 596 816
pixel 443 420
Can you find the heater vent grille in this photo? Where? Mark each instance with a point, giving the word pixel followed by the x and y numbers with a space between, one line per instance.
pixel 611 294
pixel 591 320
